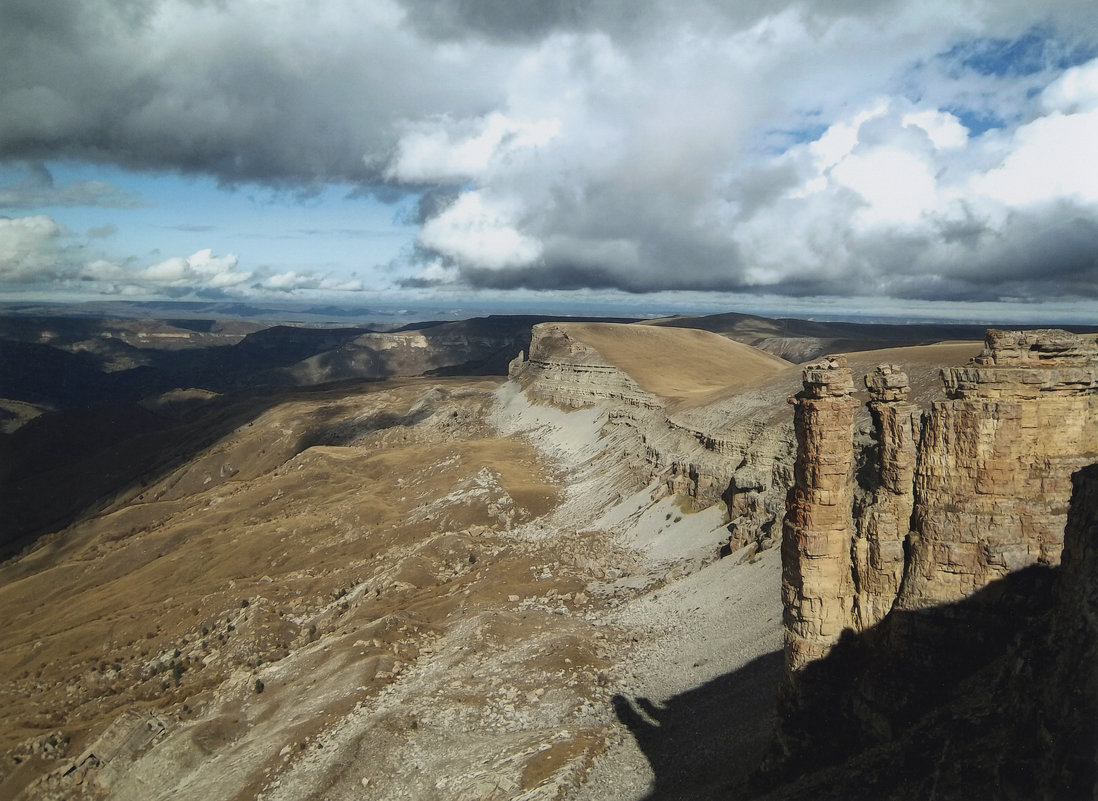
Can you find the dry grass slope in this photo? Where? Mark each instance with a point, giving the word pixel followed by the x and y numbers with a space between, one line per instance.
pixel 682 366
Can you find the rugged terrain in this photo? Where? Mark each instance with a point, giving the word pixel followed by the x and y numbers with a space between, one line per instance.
pixel 931 593
pixel 418 588
pixel 562 584
pixel 98 403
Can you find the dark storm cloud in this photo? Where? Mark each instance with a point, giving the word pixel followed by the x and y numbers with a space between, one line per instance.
pixel 626 20
pixel 500 19
pixel 801 148
pixel 433 202
pixel 283 94
pixel 1051 254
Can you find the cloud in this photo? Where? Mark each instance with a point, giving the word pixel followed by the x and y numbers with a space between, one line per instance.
pixel 441 152
pixel 890 147
pixel 203 269
pixel 977 218
pixel 37 253
pixel 292 281
pixel 658 187
pixel 286 94
pixel 30 249
pixel 896 199
pixel 435 274
pixel 480 229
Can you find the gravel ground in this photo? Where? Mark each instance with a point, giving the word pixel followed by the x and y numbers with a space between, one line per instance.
pixel 693 703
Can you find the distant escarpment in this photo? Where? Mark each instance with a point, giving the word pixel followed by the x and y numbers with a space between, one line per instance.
pixel 699 412
pixel 565 371
pixel 929 594
pixel 692 410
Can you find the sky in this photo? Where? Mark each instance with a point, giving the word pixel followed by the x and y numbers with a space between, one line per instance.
pixel 922 157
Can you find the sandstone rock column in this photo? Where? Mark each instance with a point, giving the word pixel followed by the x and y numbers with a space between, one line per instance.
pixel 817 582
pixel 879 547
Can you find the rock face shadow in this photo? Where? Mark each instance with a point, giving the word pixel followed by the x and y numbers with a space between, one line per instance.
pixel 989 697
pixel 704 743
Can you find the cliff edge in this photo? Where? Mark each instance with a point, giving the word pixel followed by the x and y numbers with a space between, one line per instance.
pixel 930 592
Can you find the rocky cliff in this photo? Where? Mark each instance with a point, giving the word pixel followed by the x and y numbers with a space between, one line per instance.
pixel 733 448
pixel 996 460
pixel 565 371
pixel 976 491
pixel 922 585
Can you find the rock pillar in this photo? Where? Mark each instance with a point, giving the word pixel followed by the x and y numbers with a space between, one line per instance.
pixel 882 528
pixel 817 581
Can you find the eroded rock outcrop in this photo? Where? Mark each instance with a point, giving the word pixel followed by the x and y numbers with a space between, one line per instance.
pixel 568 372
pixel 883 524
pixel 992 696
pixel 995 465
pixel 817 582
pixel 737 450
pixel 958 622
pixel 979 491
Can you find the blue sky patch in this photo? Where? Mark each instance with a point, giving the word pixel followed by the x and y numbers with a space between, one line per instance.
pixel 778 140
pixel 976 121
pixel 1036 50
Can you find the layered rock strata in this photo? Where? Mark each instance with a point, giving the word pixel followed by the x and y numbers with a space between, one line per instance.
pixel 995 464
pixel 817 582
pixel 944 509
pixel 994 695
pixel 883 524
pixel 566 372
pixel 738 451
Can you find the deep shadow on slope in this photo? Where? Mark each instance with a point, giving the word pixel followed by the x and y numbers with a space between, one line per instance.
pixel 992 697
pixel 948 703
pixel 953 702
pixel 59 379
pixel 101 436
pixel 55 377
pixel 64 466
pixel 704 743
pixel 500 339
pixel 803 340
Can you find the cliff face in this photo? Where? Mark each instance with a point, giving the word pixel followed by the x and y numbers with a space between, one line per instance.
pixel 995 466
pixel 883 522
pixel 922 582
pixel 566 372
pixel 992 696
pixel 941 507
pixel 738 450
pixel 817 582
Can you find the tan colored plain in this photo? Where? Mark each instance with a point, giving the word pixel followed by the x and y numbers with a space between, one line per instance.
pixel 682 366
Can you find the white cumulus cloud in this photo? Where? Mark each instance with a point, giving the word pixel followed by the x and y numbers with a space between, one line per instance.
pixel 202 269
pixel 30 248
pixel 441 151
pixel 482 231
